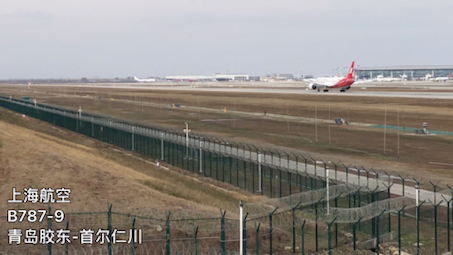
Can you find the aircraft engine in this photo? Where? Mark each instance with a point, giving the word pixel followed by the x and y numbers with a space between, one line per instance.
pixel 312 86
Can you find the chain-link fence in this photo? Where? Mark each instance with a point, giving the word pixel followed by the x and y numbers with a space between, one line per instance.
pixel 308 210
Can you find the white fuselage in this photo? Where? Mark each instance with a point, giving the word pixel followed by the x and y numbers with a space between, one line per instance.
pixel 144 80
pixel 326 81
pixel 441 79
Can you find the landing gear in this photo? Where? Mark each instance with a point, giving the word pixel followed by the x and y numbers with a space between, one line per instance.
pixel 325 90
pixel 318 90
pixel 342 90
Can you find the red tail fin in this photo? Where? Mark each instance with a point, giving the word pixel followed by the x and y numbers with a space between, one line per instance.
pixel 351 70
pixel 449 76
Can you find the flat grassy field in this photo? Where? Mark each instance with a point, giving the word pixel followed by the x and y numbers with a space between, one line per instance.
pixel 37 154
pixel 401 152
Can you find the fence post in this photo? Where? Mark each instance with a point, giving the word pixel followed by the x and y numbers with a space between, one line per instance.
pixel 367 177
pixel 388 197
pixel 223 168
pixel 448 221
pixel 358 176
pixel 260 174
pixel 305 162
pixel 133 239
pixel 244 170
pixel 336 170
pixel 347 172
pixel 109 227
pixel 403 180
pixel 354 234
pixel 67 243
pixel 241 228
pixel 271 180
pixel 162 146
pixel 244 234
pixel 435 190
pixel 271 230
pixel 315 173
pixel 49 226
pixel 418 227
pixel 195 239
pixel 316 222
pixel 132 131
pixel 302 228
pixel 336 225
pixel 328 235
pixel 222 231
pixel 399 228
pixel 377 230
pixel 257 238
pixel 377 175
pixel 435 225
pixel 280 180
pixel 294 226
pixel 201 155
pixel 167 234
pixel 287 159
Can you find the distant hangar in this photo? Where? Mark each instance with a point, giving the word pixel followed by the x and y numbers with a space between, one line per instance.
pixel 411 72
pixel 214 77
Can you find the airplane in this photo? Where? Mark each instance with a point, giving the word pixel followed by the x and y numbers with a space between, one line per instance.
pixel 327 83
pixel 387 79
pixel 144 80
pixel 443 78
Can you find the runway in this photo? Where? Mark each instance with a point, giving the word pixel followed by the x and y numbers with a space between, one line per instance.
pixel 273 90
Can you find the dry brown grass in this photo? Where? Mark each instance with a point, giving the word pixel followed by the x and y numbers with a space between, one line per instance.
pixel 96 175
pixel 356 145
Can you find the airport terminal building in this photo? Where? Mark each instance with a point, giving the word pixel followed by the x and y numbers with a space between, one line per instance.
pixel 214 77
pixel 409 72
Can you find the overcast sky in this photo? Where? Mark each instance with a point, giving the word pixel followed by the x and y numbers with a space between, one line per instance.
pixel 112 38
